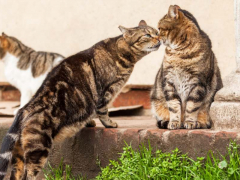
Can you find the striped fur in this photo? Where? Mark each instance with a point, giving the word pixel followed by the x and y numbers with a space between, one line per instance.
pixel 80 87
pixel 189 76
pixel 25 68
pixel 8 146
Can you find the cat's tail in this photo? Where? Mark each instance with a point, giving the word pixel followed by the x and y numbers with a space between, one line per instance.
pixel 8 145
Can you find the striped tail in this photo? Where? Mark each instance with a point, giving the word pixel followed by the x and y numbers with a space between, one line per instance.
pixel 8 145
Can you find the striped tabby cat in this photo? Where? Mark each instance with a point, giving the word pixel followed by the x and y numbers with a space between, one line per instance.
pixel 25 68
pixel 189 76
pixel 72 93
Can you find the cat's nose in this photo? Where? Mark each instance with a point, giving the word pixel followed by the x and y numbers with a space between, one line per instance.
pixel 158 41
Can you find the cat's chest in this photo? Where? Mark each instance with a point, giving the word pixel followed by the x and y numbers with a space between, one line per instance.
pixel 13 74
pixel 22 79
pixel 182 81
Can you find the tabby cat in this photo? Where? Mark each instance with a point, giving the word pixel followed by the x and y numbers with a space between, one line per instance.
pixel 25 68
pixel 189 75
pixel 72 93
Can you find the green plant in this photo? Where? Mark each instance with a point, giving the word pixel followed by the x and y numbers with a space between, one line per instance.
pixel 146 164
pixel 60 173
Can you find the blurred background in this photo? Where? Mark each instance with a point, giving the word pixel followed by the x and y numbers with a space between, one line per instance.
pixel 67 27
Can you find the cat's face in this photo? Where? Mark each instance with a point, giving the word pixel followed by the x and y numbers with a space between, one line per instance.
pixel 176 27
pixel 142 38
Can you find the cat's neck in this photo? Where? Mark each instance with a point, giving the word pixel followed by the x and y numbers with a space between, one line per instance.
pixel 193 45
pixel 18 51
pixel 9 57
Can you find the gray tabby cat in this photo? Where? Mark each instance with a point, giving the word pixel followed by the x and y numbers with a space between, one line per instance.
pixel 73 92
pixel 189 76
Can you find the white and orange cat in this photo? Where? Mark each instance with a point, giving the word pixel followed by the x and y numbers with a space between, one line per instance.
pixel 25 68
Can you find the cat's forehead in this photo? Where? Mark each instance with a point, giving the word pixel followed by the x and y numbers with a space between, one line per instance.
pixel 146 29
pixel 151 30
pixel 167 22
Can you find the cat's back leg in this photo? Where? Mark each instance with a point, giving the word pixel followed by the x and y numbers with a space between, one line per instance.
pixel 36 144
pixel 161 112
pixel 17 162
pixel 215 84
pixel 158 103
pixel 26 96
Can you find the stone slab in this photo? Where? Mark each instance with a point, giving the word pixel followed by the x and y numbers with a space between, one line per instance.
pixel 225 115
pixel 91 144
pixel 231 89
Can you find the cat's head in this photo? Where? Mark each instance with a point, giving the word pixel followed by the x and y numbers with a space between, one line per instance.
pixel 4 45
pixel 11 45
pixel 176 27
pixel 142 38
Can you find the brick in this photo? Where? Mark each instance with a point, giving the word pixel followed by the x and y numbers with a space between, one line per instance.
pixel 133 97
pixel 10 95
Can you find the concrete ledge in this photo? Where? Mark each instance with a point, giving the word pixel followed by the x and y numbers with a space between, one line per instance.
pixel 90 144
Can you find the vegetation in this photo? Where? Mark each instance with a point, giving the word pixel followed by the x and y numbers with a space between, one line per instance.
pixel 146 164
pixel 60 173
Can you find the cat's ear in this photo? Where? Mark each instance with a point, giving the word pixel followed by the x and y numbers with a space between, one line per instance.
pixel 123 29
pixel 3 40
pixel 126 32
pixel 173 11
pixel 3 34
pixel 142 23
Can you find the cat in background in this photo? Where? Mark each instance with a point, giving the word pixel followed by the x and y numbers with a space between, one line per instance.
pixel 25 68
pixel 78 88
pixel 189 76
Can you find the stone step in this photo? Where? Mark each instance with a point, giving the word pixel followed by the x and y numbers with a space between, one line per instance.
pixel 90 144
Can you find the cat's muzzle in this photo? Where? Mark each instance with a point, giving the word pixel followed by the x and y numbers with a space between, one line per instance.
pixel 155 47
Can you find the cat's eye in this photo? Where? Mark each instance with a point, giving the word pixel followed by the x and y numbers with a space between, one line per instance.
pixel 148 35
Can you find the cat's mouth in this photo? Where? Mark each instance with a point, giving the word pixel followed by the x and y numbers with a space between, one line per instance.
pixel 155 47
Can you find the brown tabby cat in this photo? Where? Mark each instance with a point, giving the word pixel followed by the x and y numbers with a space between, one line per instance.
pixel 24 67
pixel 73 92
pixel 189 76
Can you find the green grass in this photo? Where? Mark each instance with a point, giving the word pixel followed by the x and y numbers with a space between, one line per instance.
pixel 146 164
pixel 60 173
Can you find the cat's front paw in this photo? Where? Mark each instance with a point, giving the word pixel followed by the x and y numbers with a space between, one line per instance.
pixel 174 125
pixel 162 124
pixel 109 123
pixel 91 123
pixel 192 125
pixel 206 125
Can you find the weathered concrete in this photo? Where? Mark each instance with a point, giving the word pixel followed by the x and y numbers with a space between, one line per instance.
pixel 83 150
pixel 225 111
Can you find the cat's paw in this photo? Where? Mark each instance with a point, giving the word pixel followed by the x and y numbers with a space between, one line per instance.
pixel 174 125
pixel 91 123
pixel 162 124
pixel 206 125
pixel 192 125
pixel 109 123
